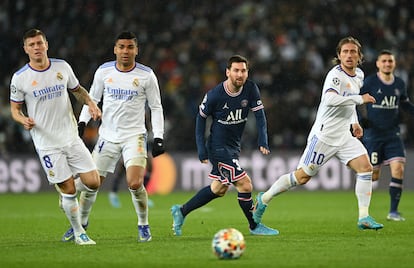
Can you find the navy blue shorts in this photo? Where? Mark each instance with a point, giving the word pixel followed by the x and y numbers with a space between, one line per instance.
pixel 226 168
pixel 383 149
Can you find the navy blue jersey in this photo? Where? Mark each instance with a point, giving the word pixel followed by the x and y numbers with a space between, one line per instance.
pixel 229 113
pixel 382 134
pixel 384 114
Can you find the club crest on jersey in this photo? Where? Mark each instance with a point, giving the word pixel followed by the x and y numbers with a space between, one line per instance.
pixel 59 76
pixel 397 92
pixel 135 83
pixel 225 173
pixel 244 103
pixel 336 81
pixel 312 167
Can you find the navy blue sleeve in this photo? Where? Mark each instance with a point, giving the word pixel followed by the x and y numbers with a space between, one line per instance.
pixel 362 109
pixel 200 130
pixel 407 106
pixel 405 103
pixel 261 125
pixel 364 89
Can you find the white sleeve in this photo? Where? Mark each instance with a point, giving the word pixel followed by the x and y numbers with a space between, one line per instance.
pixel 334 99
pixel 16 94
pixel 154 103
pixel 97 87
pixel 354 118
pixel 85 116
pixel 73 81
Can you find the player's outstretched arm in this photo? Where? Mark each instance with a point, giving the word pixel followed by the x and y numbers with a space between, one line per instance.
pixel 368 98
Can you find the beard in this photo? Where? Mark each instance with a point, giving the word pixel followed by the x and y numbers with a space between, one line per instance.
pixel 238 83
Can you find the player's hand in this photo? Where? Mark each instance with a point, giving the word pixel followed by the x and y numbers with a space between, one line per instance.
pixel 94 111
pixel 81 128
pixel 357 130
pixel 158 147
pixel 28 123
pixel 368 98
pixel 264 150
pixel 204 161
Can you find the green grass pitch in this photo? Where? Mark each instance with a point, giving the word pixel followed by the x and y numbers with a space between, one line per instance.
pixel 317 229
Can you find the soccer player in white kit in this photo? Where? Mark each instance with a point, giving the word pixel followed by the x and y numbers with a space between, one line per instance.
pixel 43 85
pixel 331 136
pixel 126 87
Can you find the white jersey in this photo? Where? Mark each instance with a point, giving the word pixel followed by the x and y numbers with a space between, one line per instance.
pixel 337 112
pixel 45 94
pixel 125 95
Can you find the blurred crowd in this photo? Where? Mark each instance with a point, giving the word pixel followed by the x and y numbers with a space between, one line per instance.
pixel 290 45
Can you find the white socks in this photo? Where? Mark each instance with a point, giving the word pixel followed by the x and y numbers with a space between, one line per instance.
pixel 70 206
pixel 87 198
pixel 284 183
pixel 140 200
pixel 363 191
pixel 86 201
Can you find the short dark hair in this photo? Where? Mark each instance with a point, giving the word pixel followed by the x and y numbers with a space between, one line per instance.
pixel 32 33
pixel 385 52
pixel 127 35
pixel 237 58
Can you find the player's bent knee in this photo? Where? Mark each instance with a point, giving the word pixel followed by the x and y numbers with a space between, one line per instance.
pixel 219 189
pixel 302 177
pixel 365 169
pixel 245 188
pixel 91 179
pixel 135 185
pixel 220 193
pixel 303 180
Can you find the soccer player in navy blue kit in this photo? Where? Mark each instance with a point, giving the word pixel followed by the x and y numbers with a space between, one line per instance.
pixel 228 104
pixel 381 122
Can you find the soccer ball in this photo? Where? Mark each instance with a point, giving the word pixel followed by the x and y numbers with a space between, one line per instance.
pixel 228 244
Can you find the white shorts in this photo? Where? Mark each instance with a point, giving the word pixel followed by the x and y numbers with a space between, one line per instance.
pixel 62 163
pixel 317 153
pixel 106 154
